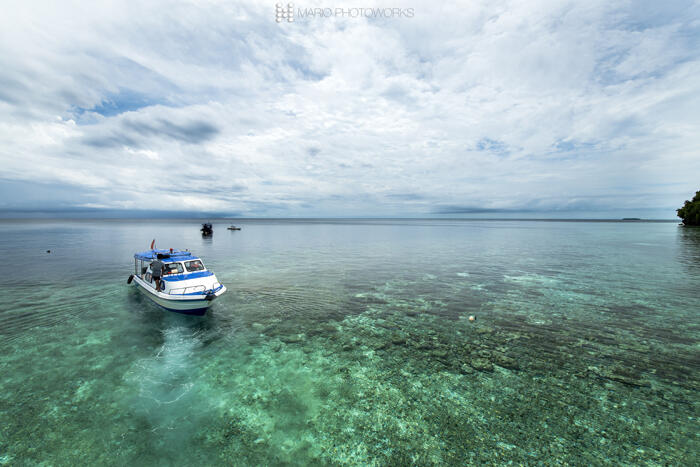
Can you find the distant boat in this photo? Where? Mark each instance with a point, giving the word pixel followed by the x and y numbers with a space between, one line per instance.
pixel 631 219
pixel 207 229
pixel 233 227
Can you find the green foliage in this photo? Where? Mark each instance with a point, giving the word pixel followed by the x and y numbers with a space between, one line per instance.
pixel 690 212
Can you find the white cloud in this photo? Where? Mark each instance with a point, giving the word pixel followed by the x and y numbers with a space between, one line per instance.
pixel 497 105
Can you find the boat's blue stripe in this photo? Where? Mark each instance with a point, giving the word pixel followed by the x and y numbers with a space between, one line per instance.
pixel 177 259
pixel 195 311
pixel 184 277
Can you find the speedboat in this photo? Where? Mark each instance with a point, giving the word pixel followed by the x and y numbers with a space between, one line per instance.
pixel 233 227
pixel 186 286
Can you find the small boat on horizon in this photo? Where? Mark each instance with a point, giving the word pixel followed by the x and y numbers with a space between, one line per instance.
pixel 207 229
pixel 233 227
pixel 186 285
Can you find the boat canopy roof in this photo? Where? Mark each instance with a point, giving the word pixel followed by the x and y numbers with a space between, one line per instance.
pixel 166 256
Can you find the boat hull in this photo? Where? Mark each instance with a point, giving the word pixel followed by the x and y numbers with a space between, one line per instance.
pixel 188 305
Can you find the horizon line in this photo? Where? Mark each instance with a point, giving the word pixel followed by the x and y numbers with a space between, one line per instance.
pixel 228 218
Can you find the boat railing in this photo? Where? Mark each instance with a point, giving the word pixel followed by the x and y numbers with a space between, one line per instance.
pixel 188 290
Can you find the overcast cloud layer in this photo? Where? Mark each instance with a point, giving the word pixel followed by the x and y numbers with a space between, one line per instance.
pixel 547 108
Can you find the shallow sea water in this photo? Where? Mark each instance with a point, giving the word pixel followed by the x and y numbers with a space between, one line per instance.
pixel 348 342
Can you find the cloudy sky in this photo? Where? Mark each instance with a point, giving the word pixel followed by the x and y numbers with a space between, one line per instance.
pixel 488 108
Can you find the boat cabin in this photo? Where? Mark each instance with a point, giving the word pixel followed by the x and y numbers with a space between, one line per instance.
pixel 183 273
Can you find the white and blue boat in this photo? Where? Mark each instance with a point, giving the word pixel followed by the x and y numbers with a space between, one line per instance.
pixel 186 285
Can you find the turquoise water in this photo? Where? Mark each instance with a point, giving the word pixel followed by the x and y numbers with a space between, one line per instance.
pixel 348 342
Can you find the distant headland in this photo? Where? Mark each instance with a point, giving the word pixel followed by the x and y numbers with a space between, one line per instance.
pixel 690 212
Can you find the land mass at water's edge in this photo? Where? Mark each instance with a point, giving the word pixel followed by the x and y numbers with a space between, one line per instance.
pixel 690 212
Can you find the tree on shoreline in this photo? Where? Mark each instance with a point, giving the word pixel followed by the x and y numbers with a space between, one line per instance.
pixel 690 212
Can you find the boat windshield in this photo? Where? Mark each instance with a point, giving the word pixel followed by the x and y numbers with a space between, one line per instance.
pixel 195 265
pixel 173 268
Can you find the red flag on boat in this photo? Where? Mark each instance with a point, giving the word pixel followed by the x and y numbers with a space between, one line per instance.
pixel 153 243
